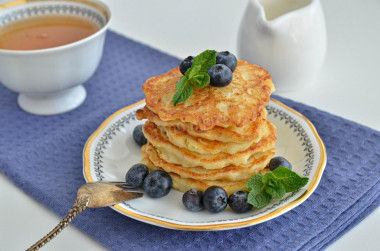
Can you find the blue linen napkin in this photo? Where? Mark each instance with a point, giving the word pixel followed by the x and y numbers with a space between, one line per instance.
pixel 43 156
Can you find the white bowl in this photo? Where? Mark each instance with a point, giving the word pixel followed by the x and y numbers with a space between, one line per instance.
pixel 50 80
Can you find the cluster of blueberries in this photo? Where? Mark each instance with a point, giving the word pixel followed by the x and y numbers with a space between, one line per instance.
pixel 220 73
pixel 215 199
pixel 156 183
pixel 159 183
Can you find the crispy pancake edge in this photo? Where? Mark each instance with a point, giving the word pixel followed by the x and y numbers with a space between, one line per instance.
pixel 247 133
pixel 229 173
pixel 185 184
pixel 186 158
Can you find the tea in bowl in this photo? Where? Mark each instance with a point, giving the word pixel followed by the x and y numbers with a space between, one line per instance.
pixel 48 49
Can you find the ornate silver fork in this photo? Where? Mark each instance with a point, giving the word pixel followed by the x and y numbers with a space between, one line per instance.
pixel 94 195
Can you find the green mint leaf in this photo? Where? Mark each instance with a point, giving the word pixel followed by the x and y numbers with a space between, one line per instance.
pixel 184 91
pixel 255 183
pixel 260 199
pixel 192 71
pixel 290 180
pixel 273 184
pixel 206 59
pixel 200 80
pixel 269 176
pixel 196 76
pixel 257 197
pixel 275 189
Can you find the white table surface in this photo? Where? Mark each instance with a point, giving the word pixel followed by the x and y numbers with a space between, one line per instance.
pixel 348 86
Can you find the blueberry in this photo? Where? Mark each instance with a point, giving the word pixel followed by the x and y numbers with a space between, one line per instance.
pixel 192 200
pixel 157 184
pixel 215 199
pixel 277 162
pixel 238 202
pixel 186 64
pixel 136 175
pixel 228 59
pixel 138 135
pixel 220 75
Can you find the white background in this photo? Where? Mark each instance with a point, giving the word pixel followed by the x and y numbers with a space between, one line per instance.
pixel 348 86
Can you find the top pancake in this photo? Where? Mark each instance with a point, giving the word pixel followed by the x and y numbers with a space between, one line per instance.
pixel 237 104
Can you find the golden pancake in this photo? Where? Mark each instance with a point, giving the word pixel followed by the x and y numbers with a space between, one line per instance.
pixel 235 105
pixel 203 146
pixel 181 156
pixel 185 184
pixel 229 173
pixel 250 132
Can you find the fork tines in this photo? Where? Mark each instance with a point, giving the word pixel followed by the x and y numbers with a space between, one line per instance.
pixel 122 185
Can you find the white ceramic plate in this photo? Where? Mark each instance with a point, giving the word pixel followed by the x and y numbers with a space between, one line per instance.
pixel 111 151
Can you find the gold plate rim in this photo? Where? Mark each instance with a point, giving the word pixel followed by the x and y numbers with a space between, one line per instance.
pixel 219 226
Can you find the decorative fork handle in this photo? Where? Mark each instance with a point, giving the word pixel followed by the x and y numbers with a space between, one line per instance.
pixel 79 206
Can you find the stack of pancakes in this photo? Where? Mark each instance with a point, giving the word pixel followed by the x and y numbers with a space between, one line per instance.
pixel 219 136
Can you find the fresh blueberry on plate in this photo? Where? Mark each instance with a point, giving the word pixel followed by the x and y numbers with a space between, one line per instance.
pixel 138 135
pixel 157 184
pixel 192 200
pixel 276 162
pixel 238 202
pixel 215 199
pixel 136 175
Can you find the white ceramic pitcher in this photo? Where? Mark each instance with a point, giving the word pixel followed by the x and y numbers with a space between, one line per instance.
pixel 286 37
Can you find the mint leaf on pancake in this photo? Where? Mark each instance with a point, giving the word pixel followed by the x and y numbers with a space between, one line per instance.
pixel 200 80
pixel 184 91
pixel 206 59
pixel 196 76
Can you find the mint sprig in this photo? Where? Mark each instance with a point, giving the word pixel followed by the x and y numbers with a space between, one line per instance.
pixel 274 184
pixel 196 76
